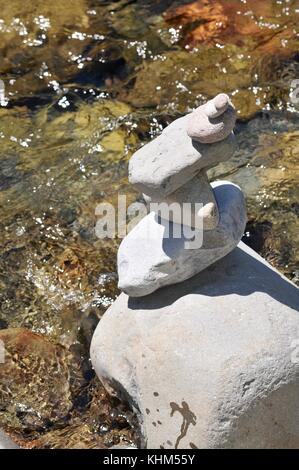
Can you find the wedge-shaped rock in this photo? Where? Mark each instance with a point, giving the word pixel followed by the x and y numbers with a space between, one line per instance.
pixel 156 253
pixel 173 158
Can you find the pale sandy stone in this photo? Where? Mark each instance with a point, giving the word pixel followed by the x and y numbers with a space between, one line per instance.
pixel 172 159
pixel 213 121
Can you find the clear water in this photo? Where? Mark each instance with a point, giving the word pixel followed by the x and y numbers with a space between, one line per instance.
pixel 84 84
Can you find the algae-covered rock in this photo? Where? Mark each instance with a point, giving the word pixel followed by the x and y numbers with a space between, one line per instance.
pixel 182 80
pixel 247 50
pixel 99 129
pixel 96 422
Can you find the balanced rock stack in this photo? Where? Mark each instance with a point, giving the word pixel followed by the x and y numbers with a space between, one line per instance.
pixel 172 170
pixel 212 362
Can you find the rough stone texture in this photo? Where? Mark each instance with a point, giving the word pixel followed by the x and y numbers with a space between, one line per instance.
pixel 172 159
pixel 217 106
pixel 151 256
pixel 213 121
pixel 209 362
pixel 6 442
pixel 197 190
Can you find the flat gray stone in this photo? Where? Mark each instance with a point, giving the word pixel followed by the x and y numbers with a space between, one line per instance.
pixel 210 363
pixel 169 161
pixel 151 256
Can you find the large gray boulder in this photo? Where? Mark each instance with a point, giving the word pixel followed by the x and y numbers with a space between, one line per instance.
pixel 210 362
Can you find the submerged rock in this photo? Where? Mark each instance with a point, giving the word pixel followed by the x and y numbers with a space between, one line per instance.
pixel 48 398
pixel 211 362
pixel 35 385
pixel 235 22
pixel 37 44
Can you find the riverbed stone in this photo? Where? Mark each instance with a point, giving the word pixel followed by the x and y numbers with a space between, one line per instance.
pixel 26 400
pixel 157 253
pixel 209 363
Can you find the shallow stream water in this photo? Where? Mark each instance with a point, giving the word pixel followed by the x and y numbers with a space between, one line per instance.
pixel 83 84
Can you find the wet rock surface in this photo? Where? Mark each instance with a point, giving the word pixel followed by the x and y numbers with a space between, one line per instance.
pixel 35 381
pixel 49 399
pixel 6 442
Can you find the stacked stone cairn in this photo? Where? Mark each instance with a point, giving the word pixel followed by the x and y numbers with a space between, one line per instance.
pixel 171 172
pixel 212 362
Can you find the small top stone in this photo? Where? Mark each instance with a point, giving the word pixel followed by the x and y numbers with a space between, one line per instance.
pixel 217 106
pixel 213 121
